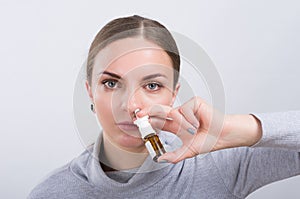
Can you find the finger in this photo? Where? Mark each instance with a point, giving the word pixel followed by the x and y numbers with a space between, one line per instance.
pixel 166 125
pixel 191 109
pixel 179 126
pixel 188 110
pixel 157 110
pixel 178 155
pixel 200 144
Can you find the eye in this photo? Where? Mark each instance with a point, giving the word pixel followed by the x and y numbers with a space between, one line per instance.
pixel 110 83
pixel 153 86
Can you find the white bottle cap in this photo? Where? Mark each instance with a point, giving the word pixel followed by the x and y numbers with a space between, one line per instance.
pixel 144 125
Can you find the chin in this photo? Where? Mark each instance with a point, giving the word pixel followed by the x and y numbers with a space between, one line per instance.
pixel 131 142
pixel 128 140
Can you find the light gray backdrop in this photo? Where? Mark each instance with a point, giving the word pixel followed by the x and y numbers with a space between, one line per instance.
pixel 254 45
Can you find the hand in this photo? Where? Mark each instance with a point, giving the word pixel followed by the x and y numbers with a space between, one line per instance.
pixel 202 128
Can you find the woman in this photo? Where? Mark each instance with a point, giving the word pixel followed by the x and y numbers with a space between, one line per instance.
pixel 134 63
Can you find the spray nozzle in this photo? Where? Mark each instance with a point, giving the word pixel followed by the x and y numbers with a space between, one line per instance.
pixel 143 124
pixel 136 111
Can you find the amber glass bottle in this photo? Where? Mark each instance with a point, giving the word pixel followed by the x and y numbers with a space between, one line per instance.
pixel 152 142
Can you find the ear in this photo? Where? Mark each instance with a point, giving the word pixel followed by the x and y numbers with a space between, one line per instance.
pixel 89 90
pixel 175 92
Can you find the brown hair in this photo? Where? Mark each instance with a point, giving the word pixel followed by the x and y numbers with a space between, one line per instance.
pixel 134 26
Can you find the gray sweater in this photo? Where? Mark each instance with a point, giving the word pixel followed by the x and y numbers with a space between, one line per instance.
pixel 229 173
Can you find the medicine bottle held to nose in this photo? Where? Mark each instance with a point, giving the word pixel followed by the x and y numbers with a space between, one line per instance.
pixel 152 141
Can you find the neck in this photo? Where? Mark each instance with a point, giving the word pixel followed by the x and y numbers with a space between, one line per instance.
pixel 113 157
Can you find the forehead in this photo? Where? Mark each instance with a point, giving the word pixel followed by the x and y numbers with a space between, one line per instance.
pixel 125 55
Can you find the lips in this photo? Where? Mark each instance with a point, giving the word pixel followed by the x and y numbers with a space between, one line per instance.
pixel 127 126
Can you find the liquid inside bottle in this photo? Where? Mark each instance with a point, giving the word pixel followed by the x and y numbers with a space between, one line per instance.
pixel 154 146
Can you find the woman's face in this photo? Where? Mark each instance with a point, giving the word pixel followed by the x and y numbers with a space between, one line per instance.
pixel 129 74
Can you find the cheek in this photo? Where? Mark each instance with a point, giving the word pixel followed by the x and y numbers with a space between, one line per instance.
pixel 103 109
pixel 164 98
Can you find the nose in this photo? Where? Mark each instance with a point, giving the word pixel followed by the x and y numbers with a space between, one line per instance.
pixel 134 101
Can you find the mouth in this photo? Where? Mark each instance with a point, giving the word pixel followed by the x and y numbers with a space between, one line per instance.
pixel 127 126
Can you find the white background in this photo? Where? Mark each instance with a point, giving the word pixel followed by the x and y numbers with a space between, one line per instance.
pixel 254 45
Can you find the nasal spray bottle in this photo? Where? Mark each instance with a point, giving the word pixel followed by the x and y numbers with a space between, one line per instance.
pixel 152 142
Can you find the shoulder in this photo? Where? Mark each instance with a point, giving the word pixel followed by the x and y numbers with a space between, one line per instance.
pixel 50 183
pixel 62 181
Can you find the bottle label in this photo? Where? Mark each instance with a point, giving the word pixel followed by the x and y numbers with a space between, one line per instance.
pixel 150 149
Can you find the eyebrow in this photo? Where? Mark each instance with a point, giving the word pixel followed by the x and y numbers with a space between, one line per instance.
pixel 144 78
pixel 153 76
pixel 110 74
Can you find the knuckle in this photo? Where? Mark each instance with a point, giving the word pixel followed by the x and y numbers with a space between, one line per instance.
pixel 197 98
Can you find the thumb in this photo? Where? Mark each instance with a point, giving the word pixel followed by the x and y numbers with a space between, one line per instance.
pixel 177 155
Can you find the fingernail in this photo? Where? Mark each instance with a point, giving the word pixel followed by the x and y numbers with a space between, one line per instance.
pixel 163 161
pixel 191 131
pixel 169 118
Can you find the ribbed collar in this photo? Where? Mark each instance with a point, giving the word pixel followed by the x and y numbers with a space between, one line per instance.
pixel 147 175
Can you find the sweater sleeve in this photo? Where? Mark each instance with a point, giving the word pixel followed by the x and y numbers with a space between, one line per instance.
pixel 280 130
pixel 275 157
